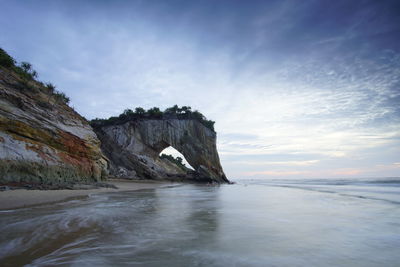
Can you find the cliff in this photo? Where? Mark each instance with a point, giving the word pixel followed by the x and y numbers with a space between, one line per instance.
pixel 133 148
pixel 42 139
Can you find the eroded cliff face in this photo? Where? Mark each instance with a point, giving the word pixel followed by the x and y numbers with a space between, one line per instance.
pixel 43 140
pixel 134 147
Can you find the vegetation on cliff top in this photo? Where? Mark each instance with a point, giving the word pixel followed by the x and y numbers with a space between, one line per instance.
pixel 175 112
pixel 27 74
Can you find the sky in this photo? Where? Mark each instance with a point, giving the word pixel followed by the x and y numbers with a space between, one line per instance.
pixel 298 89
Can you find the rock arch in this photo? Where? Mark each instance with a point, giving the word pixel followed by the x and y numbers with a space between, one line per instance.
pixel 141 141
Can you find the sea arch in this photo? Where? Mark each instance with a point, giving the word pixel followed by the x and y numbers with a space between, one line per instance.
pixel 149 137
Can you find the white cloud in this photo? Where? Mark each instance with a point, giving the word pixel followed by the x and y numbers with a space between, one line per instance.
pixel 333 106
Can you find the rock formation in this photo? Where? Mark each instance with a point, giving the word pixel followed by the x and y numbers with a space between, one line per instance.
pixel 42 139
pixel 133 148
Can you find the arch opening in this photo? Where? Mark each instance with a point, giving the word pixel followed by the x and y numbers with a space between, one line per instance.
pixel 177 157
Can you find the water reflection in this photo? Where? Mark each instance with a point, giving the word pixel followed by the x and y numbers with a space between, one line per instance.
pixel 122 227
pixel 232 225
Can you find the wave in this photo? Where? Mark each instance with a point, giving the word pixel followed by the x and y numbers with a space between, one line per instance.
pixel 361 196
pixel 378 189
pixel 389 181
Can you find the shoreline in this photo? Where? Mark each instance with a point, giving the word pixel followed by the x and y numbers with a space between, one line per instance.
pixel 23 198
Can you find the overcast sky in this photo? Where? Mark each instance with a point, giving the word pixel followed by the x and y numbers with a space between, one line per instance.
pixel 298 89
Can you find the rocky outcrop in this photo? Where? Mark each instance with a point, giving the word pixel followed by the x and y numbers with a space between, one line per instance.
pixel 133 148
pixel 42 139
pixel 45 142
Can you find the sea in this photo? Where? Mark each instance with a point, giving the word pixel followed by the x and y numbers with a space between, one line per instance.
pixel 325 222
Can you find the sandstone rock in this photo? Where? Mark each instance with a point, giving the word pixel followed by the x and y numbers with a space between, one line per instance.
pixel 136 145
pixel 43 140
pixel 45 144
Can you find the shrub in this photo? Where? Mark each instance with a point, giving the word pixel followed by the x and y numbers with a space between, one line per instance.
pixel 51 87
pixel 172 110
pixel 26 66
pixel 177 161
pixel 197 115
pixel 25 71
pixel 186 109
pixel 128 112
pixel 34 74
pixel 209 124
pixel 155 112
pixel 5 59
pixel 140 111
pixel 61 97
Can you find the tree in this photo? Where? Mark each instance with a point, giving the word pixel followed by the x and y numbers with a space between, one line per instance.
pixel 26 66
pixel 128 112
pixel 197 115
pixel 172 110
pixel 186 109
pixel 155 112
pixel 26 71
pixel 140 111
pixel 5 59
pixel 178 161
pixel 34 74
pixel 209 124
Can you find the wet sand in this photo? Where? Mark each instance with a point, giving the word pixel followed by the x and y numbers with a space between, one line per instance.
pixel 21 198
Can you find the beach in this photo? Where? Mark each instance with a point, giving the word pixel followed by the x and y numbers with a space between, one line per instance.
pixel 250 223
pixel 20 198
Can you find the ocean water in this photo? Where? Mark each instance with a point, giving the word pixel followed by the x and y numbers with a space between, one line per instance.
pixel 251 223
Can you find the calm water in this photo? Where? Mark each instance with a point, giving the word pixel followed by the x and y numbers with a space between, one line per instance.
pixel 264 223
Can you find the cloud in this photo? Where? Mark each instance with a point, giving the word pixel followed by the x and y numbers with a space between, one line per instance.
pixel 279 163
pixel 275 173
pixel 329 173
pixel 288 83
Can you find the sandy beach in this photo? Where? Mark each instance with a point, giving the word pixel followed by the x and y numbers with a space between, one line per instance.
pixel 20 198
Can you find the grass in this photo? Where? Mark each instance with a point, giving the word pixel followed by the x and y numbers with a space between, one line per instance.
pixel 27 74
